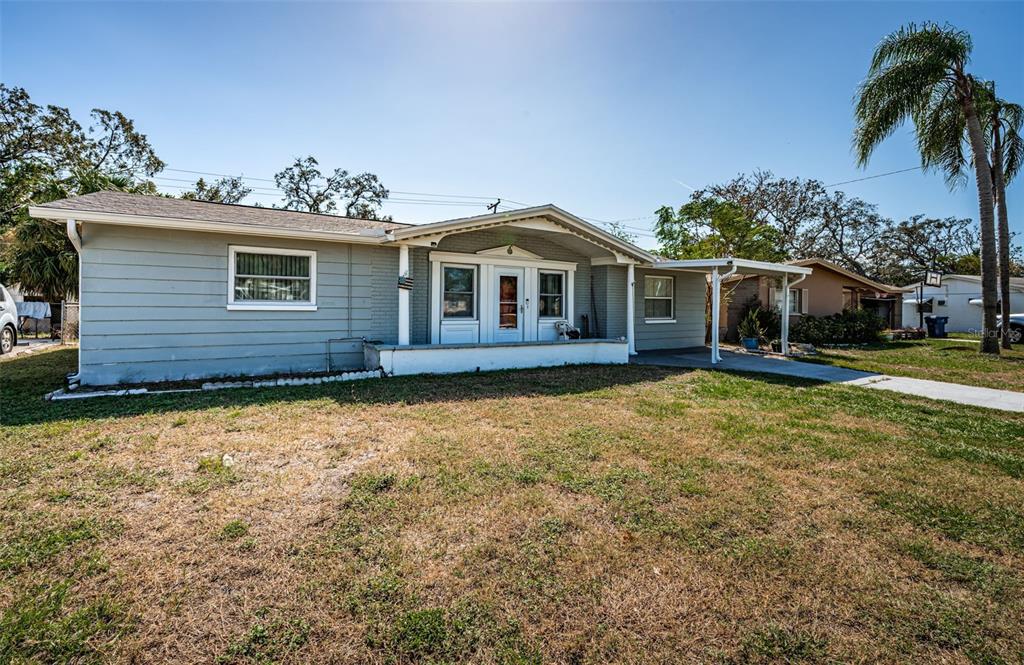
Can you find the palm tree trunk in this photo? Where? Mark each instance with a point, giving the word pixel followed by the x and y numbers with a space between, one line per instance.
pixel 983 176
pixel 999 186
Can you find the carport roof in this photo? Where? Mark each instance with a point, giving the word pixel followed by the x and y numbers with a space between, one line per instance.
pixel 742 266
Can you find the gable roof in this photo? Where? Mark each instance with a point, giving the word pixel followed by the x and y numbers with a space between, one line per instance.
pixel 878 286
pixel 550 212
pixel 163 212
pixel 124 205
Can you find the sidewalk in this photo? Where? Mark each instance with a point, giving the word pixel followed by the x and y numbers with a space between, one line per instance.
pixel 990 398
pixel 1004 400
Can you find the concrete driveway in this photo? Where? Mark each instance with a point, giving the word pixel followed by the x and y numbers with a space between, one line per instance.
pixel 1003 400
pixel 744 362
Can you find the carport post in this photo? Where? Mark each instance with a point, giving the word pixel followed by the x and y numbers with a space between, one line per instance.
pixel 785 314
pixel 715 296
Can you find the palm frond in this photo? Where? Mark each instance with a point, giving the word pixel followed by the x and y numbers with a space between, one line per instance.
pixel 1013 154
pixel 927 41
pixel 941 135
pixel 891 96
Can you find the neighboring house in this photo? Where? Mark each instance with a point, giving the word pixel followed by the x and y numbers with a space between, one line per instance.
pixel 959 298
pixel 174 289
pixel 829 290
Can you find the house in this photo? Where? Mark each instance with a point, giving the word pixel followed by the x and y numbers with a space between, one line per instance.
pixel 173 289
pixel 829 290
pixel 959 298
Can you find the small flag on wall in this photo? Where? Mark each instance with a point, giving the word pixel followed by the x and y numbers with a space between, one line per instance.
pixel 405 282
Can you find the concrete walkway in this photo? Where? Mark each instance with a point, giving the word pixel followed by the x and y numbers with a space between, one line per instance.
pixel 30 345
pixel 1004 400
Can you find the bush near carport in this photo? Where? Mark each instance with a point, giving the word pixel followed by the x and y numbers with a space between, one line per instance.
pixel 856 326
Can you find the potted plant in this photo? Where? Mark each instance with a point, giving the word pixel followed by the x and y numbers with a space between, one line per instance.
pixel 751 331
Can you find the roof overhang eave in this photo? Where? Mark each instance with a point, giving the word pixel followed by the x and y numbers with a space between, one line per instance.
pixel 62 215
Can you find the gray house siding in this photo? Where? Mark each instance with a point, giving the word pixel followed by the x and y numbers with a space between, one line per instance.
pixel 154 307
pixel 610 300
pixel 688 329
pixel 419 300
pixel 474 241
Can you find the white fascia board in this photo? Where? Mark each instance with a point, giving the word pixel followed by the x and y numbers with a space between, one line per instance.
pixel 61 215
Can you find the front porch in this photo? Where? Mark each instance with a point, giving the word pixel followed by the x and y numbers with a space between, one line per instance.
pixel 400 360
pixel 514 279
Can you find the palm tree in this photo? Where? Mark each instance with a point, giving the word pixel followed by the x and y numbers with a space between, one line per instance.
pixel 1003 123
pixel 918 73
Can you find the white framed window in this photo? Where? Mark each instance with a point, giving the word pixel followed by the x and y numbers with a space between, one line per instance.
pixel 551 294
pixel 797 300
pixel 458 291
pixel 659 305
pixel 270 278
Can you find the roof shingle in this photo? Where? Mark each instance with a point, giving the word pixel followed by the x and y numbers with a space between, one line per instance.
pixel 159 206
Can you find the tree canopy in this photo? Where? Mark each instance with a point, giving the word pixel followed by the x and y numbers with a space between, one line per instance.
pixel 708 226
pixel 307 189
pixel 45 154
pixel 812 220
pixel 223 190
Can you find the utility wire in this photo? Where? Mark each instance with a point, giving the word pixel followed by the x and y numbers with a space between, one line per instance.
pixel 872 177
pixel 394 191
pixel 436 199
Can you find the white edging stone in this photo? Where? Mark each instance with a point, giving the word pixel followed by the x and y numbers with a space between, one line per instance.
pixel 61 394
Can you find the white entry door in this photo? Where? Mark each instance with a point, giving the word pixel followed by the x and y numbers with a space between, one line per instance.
pixel 510 312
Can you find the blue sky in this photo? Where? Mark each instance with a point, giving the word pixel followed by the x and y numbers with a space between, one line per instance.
pixel 603 109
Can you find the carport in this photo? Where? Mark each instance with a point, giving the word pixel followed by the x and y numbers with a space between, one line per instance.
pixel 724 268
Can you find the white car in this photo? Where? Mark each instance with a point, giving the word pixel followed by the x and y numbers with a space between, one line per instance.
pixel 8 321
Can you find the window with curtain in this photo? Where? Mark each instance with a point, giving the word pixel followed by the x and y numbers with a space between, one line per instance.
pixel 273 276
pixel 459 284
pixel 658 298
pixel 552 294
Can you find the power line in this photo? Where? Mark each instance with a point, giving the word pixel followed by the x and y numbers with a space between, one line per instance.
pixel 220 175
pixel 394 191
pixel 872 177
pixel 473 200
pixel 464 204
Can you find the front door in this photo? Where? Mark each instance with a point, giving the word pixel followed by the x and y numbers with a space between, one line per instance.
pixel 510 312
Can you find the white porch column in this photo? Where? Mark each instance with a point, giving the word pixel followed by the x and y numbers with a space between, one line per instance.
pixel 630 309
pixel 403 297
pixel 716 286
pixel 785 314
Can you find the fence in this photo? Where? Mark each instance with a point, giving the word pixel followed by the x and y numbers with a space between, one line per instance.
pixel 69 317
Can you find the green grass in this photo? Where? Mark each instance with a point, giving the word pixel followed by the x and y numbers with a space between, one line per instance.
pixel 40 627
pixel 234 529
pixel 581 514
pixel 947 360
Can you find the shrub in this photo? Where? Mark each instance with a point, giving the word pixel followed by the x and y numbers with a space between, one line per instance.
pixel 750 326
pixel 768 319
pixel 857 326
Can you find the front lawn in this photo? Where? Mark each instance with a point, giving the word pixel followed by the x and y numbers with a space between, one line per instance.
pixel 952 360
pixel 586 514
